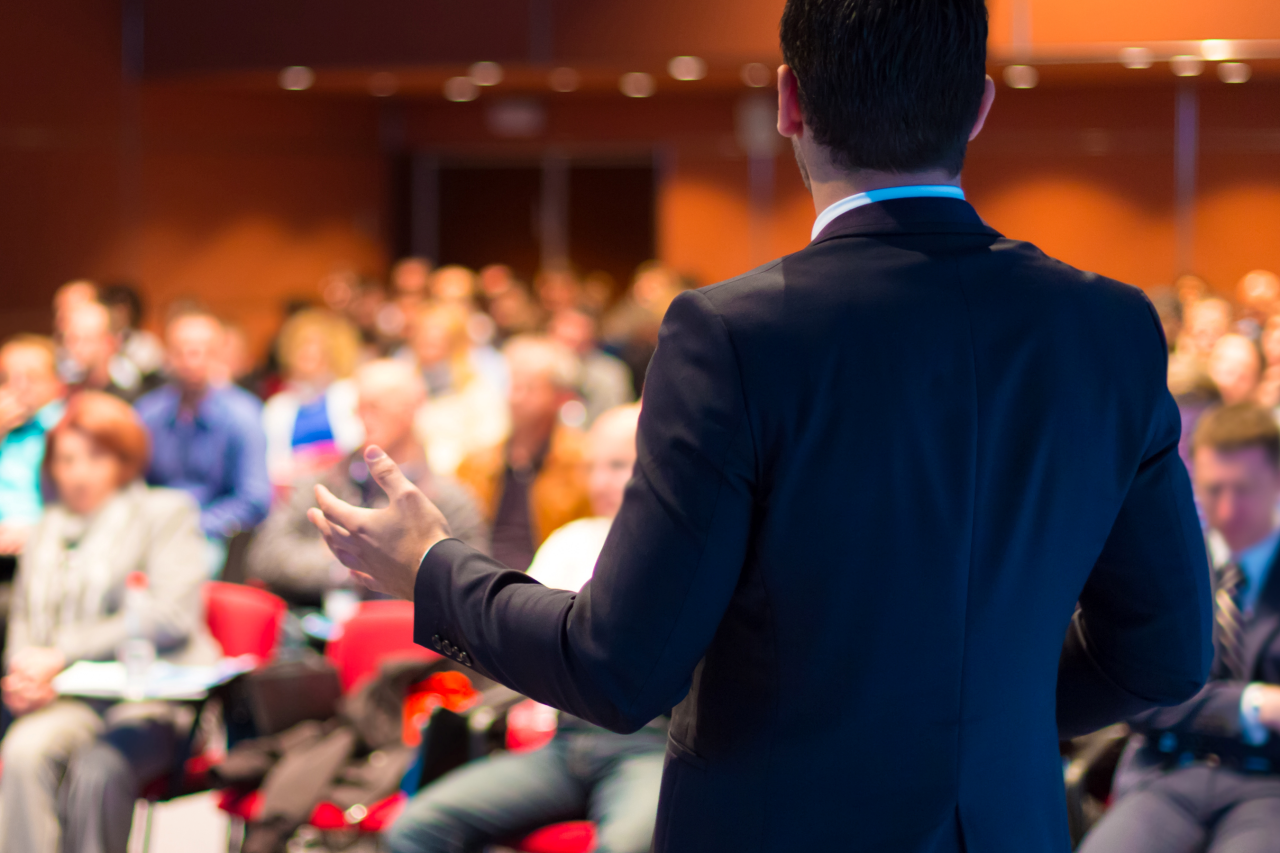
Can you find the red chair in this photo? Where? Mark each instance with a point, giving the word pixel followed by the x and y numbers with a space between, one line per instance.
pixel 244 620
pixel 379 630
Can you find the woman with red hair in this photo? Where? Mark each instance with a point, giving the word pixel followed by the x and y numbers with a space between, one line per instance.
pixel 73 768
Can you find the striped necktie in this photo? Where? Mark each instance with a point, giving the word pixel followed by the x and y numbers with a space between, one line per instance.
pixel 1231 585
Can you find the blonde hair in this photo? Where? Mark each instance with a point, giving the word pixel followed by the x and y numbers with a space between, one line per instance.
pixel 340 339
pixel 547 356
pixel 452 319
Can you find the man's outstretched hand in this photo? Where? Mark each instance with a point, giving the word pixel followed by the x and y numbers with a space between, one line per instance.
pixel 383 547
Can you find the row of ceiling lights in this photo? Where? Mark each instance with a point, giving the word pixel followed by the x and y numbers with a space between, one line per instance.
pixel 1186 65
pixel 634 84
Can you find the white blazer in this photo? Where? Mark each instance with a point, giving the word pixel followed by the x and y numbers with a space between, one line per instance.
pixel 281 412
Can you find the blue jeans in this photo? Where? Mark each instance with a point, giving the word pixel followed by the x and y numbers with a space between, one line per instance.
pixel 607 778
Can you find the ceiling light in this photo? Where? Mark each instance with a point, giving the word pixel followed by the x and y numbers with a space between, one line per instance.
pixel 383 84
pixel 757 75
pixel 1021 76
pixel 636 84
pixel 687 68
pixel 564 80
pixel 296 78
pixel 461 89
pixel 1136 57
pixel 1216 50
pixel 1187 66
pixel 485 73
pixel 1234 72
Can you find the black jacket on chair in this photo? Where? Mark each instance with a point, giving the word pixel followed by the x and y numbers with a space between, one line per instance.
pixel 874 479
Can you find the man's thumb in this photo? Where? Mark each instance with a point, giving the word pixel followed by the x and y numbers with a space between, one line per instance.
pixel 387 473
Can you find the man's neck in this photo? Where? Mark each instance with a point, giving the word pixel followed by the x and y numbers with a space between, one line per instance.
pixel 527 442
pixel 1243 544
pixel 839 185
pixel 829 183
pixel 191 396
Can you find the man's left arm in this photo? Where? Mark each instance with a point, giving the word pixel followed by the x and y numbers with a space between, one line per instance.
pixel 623 650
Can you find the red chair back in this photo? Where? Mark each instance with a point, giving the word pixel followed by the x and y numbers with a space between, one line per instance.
pixel 380 629
pixel 243 619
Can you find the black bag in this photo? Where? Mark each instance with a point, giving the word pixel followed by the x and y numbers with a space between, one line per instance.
pixel 285 693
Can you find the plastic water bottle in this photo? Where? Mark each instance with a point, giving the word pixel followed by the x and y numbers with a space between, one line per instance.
pixel 342 598
pixel 138 652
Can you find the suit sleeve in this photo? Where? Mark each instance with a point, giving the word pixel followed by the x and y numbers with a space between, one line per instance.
pixel 1213 712
pixel 1143 633
pixel 623 650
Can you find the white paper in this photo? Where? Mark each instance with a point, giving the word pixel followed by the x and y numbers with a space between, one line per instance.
pixel 106 679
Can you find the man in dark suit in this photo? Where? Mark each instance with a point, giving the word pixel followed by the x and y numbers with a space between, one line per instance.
pixel 873 480
pixel 1205 775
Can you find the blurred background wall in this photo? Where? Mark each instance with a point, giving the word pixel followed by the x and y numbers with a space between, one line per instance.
pixel 153 142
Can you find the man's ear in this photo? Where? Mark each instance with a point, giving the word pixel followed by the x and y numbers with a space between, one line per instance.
pixel 790 117
pixel 984 109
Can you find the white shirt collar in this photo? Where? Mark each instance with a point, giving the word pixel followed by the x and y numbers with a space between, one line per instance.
pixel 847 204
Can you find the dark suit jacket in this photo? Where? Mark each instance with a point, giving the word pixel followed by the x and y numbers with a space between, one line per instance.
pixel 874 479
pixel 1209 724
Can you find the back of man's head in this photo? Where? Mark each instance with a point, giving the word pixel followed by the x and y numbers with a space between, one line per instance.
pixel 889 85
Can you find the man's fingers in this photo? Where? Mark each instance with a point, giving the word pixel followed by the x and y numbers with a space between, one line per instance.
pixel 338 511
pixel 386 473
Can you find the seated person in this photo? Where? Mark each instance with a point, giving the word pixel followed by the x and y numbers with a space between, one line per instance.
pixel 311 422
pixel 206 438
pixel 1205 775
pixel 586 771
pixel 606 380
pixel 30 404
pixel 533 483
pixel 467 411
pixel 73 768
pixel 288 552
pixel 94 362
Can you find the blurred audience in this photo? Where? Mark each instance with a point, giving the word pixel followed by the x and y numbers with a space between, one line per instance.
pixel 1259 298
pixel 70 295
pixel 1205 775
pixel 288 553
pixel 207 439
pixel 467 411
pixel 73 769
pixel 1268 393
pixel 630 330
pixel 93 360
pixel 139 347
pixel 311 422
pixel 606 380
pixel 30 404
pixel 533 483
pixel 1235 366
pixel 585 771
pixel 558 289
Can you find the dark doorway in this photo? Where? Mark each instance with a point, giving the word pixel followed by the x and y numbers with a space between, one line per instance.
pixel 611 219
pixel 489 214
pixel 482 213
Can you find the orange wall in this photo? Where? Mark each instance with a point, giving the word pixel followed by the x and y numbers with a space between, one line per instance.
pixel 246 198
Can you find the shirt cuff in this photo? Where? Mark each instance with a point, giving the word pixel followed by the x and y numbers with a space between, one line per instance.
pixel 1255 733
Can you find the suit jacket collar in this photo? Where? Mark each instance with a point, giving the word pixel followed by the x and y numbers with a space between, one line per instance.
pixel 921 215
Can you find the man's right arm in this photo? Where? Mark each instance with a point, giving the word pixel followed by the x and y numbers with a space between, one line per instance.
pixel 1143 633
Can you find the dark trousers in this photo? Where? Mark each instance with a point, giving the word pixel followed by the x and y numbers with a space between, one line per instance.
pixel 1192 809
